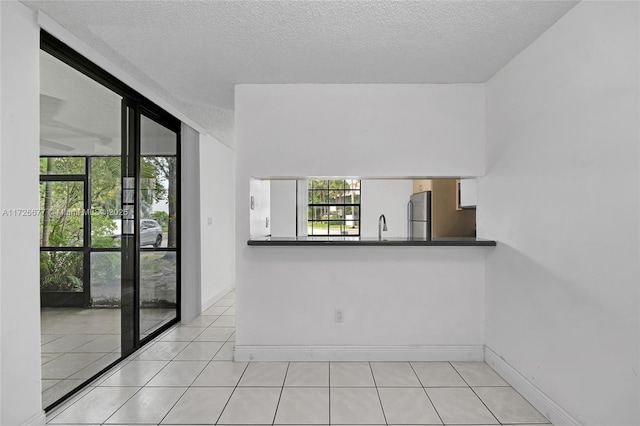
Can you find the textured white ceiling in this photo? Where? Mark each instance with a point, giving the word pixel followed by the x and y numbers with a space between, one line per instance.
pixel 193 52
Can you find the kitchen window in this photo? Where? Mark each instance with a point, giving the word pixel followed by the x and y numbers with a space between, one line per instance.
pixel 333 207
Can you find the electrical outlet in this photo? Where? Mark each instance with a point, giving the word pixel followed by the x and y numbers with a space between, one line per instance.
pixel 209 220
pixel 267 223
pixel 339 315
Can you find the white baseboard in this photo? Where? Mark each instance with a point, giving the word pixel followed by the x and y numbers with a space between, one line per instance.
pixel 206 304
pixel 38 419
pixel 360 353
pixel 547 406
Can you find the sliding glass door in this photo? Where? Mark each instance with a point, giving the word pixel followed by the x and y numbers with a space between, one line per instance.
pixel 159 226
pixel 109 210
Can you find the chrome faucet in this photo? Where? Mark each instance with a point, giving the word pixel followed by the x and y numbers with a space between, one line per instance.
pixel 382 226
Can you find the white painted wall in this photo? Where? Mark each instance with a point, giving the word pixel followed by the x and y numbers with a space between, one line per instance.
pixel 560 196
pixel 379 130
pixel 1 119
pixel 388 197
pixel 283 208
pixel 217 201
pixel 191 257
pixel 19 140
pixel 391 297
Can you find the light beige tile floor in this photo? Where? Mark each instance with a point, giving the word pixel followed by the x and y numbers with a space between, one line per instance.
pixel 188 376
pixel 78 343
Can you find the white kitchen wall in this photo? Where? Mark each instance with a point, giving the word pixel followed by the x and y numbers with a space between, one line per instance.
pixel 283 208
pixel 397 303
pixel 19 241
pixel 217 201
pixel 560 196
pixel 388 197
pixel 370 130
pixel 394 298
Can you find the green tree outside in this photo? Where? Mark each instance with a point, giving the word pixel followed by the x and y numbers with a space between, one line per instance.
pixel 62 211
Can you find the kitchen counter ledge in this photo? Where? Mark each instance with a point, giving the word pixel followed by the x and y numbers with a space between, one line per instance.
pixel 369 241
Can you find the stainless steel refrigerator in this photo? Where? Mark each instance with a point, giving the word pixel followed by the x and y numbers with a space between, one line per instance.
pixel 419 216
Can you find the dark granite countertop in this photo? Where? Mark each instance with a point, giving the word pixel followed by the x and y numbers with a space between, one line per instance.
pixel 369 241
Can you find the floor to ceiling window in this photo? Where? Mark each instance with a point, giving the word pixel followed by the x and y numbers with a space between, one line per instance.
pixel 109 211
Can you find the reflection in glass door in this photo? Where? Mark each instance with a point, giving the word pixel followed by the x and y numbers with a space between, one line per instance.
pixel 80 149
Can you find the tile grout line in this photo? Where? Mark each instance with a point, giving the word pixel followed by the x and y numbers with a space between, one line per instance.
pixel 118 409
pixel 281 391
pixel 198 326
pixel 378 393
pixel 237 383
pixel 175 403
pixel 87 389
pixel 232 392
pixel 75 372
pixel 426 393
pixel 159 371
pixel 227 341
pixel 75 347
pixel 195 378
pixel 474 392
pixel 217 352
pixel 175 328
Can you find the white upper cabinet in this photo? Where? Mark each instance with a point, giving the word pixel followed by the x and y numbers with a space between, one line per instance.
pixel 468 193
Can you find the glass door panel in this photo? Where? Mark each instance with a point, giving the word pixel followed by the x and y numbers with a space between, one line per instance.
pixel 80 149
pixel 105 280
pixel 158 225
pixel 158 286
